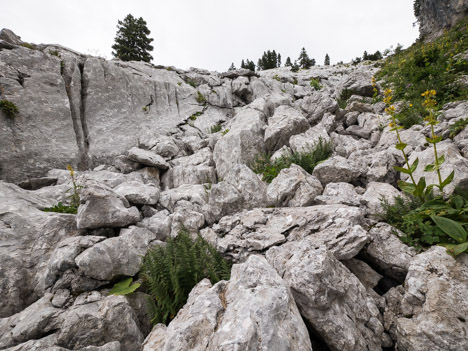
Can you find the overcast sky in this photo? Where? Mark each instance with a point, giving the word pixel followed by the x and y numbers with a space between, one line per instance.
pixel 213 33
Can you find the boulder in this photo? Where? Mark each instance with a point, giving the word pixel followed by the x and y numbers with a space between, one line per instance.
pixel 147 158
pixel 430 312
pixel 160 224
pixel 337 227
pixel 329 296
pixel 138 193
pixel 339 193
pixel 101 207
pixel 293 187
pixel 285 123
pixel 374 194
pixel 254 310
pixel 316 105
pixel 336 169
pixel 117 256
pixel 306 141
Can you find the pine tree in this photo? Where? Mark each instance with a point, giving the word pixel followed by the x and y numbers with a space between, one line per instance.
pixel 304 60
pixel 132 42
pixel 243 64
pixel 279 61
pixel 288 62
pixel 327 60
pixel 232 68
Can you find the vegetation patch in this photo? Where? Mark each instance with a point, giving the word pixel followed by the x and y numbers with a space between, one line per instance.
pixel 195 116
pixel 9 108
pixel 437 65
pixel 457 127
pixel 315 83
pixel 200 98
pixel 171 271
pixel 269 169
pixel 216 128
pixel 344 97
pixel 74 197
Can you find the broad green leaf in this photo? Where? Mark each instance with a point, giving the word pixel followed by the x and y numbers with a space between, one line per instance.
pixel 436 204
pixel 441 159
pixel 401 169
pixel 124 288
pixel 414 165
pixel 419 190
pixel 434 140
pixel 429 168
pixel 406 187
pixel 428 190
pixel 451 228
pixel 457 201
pixel 401 146
pixel 454 249
pixel 449 179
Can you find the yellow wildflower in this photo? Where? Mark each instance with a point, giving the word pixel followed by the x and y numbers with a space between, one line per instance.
pixel 72 171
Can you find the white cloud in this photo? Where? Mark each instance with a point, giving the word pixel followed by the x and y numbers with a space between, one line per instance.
pixel 213 33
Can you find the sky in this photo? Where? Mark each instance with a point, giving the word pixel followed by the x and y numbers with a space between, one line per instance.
pixel 212 34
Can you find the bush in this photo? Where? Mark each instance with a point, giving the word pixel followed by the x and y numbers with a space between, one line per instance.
pixel 315 83
pixel 200 98
pixel 457 127
pixel 436 65
pixel 270 169
pixel 216 128
pixel 9 108
pixel 171 271
pixel 344 97
pixel 430 221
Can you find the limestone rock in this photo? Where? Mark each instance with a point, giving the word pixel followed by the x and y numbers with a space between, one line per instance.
pixel 147 158
pixel 285 122
pixel 337 227
pixel 329 296
pixel 339 193
pixel 316 105
pixel 232 315
pixel 386 251
pixel 375 192
pixel 138 193
pixel 101 207
pixel 433 308
pixel 293 187
pixel 336 169
pixel 98 322
pixel 117 256
pixel 160 224
pixel 306 141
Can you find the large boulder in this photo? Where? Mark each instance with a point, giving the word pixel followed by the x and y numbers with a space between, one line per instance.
pixel 430 312
pixel 285 123
pixel 329 296
pixel 336 227
pixel 254 310
pixel 101 207
pixel 336 169
pixel 293 187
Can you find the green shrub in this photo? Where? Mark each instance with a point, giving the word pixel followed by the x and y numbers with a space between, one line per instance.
pixel 54 53
pixel 276 77
pixel 9 108
pixel 344 97
pixel 270 169
pixel 171 271
pixel 424 66
pixel 224 132
pixel 201 98
pixel 29 46
pixel 457 127
pixel 315 83
pixel 429 222
pixel 61 208
pixel 195 116
pixel 216 128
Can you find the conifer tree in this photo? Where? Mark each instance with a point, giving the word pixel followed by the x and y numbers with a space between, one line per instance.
pixel 243 64
pixel 327 60
pixel 232 68
pixel 132 42
pixel 278 61
pixel 304 60
pixel 288 62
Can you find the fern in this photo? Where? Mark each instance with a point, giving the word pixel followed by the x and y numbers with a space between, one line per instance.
pixel 171 272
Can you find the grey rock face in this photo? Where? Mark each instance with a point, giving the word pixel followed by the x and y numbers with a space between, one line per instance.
pixel 329 296
pixel 285 122
pixel 28 238
pixel 147 158
pixel 293 187
pixel 374 193
pixel 453 162
pixel 316 105
pixel 336 169
pixel 117 256
pixel 431 315
pixel 242 143
pixel 231 315
pixel 138 193
pixel 101 207
pixel 387 252
pixel 306 141
pixel 339 193
pixel 337 227
pixel 434 17
pixel 99 322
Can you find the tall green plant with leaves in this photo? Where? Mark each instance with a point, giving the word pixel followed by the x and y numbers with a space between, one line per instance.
pixel 171 271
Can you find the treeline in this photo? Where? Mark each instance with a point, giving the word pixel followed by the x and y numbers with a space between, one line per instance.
pixel 270 59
